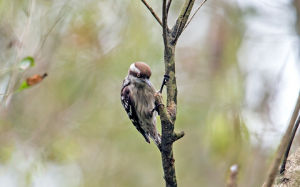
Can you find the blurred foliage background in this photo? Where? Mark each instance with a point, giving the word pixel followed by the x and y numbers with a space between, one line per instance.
pixel 238 79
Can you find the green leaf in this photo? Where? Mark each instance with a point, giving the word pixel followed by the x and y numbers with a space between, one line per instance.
pixel 23 86
pixel 26 63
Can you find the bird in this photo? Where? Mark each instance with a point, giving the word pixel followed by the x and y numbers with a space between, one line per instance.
pixel 138 100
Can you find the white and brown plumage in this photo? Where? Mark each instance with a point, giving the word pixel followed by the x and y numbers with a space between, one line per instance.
pixel 137 97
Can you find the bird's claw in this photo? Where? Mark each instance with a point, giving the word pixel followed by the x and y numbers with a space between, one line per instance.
pixel 165 80
pixel 157 93
pixel 156 108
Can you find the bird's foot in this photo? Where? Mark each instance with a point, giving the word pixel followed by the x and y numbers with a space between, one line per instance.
pixel 165 80
pixel 156 108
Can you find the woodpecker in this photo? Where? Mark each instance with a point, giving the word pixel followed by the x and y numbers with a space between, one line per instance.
pixel 137 97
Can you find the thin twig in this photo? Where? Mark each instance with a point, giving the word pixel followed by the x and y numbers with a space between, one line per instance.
pixel 281 149
pixel 165 23
pixel 12 77
pixel 152 12
pixel 168 5
pixel 58 19
pixel 27 27
pixel 194 13
pixel 232 180
pixel 282 168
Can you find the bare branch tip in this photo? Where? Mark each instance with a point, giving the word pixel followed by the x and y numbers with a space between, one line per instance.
pixel 178 136
pixel 152 12
pixel 202 3
pixel 168 6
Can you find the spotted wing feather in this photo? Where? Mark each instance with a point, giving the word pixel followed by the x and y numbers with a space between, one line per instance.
pixel 128 104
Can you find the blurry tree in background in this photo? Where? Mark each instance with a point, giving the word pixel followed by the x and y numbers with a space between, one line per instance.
pixel 237 76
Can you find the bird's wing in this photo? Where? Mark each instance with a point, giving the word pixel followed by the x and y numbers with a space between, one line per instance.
pixel 128 104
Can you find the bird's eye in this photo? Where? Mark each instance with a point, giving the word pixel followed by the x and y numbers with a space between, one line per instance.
pixel 138 75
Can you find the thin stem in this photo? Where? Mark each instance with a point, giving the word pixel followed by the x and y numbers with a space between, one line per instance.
pixel 152 12
pixel 165 24
pixel 58 19
pixel 281 149
pixel 194 14
pixel 182 19
pixel 282 168
pixel 232 180
pixel 168 5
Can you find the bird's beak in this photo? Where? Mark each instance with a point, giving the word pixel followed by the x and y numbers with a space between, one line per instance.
pixel 148 82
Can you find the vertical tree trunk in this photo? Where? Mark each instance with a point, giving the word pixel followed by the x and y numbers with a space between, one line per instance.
pixel 168 128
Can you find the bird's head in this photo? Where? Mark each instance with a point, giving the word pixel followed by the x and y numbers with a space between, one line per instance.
pixel 141 72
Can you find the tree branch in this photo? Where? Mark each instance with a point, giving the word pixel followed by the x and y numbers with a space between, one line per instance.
pixel 168 138
pixel 164 115
pixel 168 5
pixel 204 1
pixel 232 180
pixel 165 22
pixel 182 19
pixel 152 12
pixel 177 136
pixel 283 144
pixel 286 154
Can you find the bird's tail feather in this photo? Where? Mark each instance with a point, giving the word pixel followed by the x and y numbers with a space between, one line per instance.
pixel 147 138
pixel 156 139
